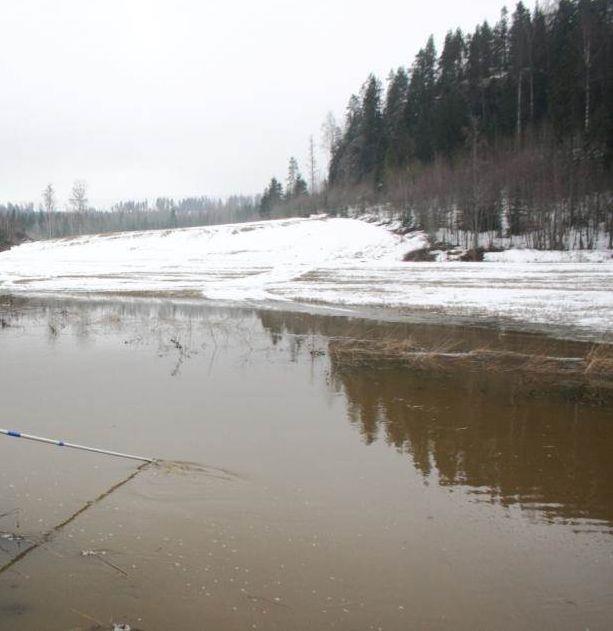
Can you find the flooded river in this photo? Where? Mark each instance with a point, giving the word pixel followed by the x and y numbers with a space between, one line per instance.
pixel 327 494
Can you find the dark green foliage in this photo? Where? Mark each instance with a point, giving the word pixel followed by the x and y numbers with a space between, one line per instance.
pixel 520 67
pixel 397 140
pixel 300 187
pixel 296 185
pixel 344 163
pixel 371 140
pixel 564 93
pixel 421 103
pixel 478 76
pixel 452 106
pixel 526 75
pixel 540 68
pixel 508 131
pixel 360 154
pixel 596 66
pixel 272 197
pixel 173 217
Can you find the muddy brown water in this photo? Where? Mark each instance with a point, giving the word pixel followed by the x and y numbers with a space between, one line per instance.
pixel 326 496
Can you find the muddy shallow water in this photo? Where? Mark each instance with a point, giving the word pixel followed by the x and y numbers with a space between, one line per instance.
pixel 331 495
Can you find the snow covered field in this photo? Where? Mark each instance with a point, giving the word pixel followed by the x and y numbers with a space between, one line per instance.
pixel 329 261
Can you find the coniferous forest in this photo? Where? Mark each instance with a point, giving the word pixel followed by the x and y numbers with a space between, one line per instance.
pixel 506 130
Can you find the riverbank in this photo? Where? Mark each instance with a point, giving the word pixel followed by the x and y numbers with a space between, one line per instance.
pixel 339 263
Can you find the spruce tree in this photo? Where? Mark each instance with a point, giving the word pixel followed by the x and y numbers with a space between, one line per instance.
pixel 271 198
pixel 396 136
pixel 520 67
pixel 452 106
pixel 292 176
pixel 540 66
pixel 300 186
pixel 421 102
pixel 344 163
pixel 371 132
pixel 563 88
pixel 503 93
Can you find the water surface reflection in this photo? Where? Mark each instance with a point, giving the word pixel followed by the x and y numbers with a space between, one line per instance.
pixel 358 492
pixel 549 455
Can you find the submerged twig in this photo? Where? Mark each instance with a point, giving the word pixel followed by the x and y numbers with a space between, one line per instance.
pixel 98 555
pixel 47 536
pixel 9 513
pixel 87 617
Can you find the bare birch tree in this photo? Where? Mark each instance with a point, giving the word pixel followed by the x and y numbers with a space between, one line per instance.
pixel 312 166
pixel 49 204
pixel 330 134
pixel 78 196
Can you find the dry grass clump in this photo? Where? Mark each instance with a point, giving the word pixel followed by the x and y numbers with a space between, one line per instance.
pixel 590 376
pixel 365 351
pixel 599 361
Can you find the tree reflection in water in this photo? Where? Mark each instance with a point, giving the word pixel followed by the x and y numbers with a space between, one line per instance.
pixel 549 455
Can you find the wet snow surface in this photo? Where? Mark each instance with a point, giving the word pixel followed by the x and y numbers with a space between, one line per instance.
pixel 338 262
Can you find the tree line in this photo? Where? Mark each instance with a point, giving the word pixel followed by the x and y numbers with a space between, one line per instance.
pixel 19 222
pixel 508 130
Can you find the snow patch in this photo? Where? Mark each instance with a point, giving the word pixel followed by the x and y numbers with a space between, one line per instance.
pixel 325 260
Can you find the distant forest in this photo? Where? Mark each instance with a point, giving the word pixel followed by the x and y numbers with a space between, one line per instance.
pixel 507 131
pixel 20 222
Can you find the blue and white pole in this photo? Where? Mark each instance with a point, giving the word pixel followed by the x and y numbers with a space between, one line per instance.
pixel 62 443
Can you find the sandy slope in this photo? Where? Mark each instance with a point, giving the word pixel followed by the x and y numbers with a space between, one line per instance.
pixel 333 261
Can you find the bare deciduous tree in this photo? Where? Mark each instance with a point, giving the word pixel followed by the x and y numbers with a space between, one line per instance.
pixel 312 166
pixel 49 204
pixel 49 200
pixel 330 134
pixel 78 196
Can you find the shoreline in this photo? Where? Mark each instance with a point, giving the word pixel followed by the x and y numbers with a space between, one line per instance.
pixel 529 362
pixel 333 264
pixel 376 313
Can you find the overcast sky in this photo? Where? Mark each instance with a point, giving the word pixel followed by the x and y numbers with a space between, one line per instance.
pixel 183 97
